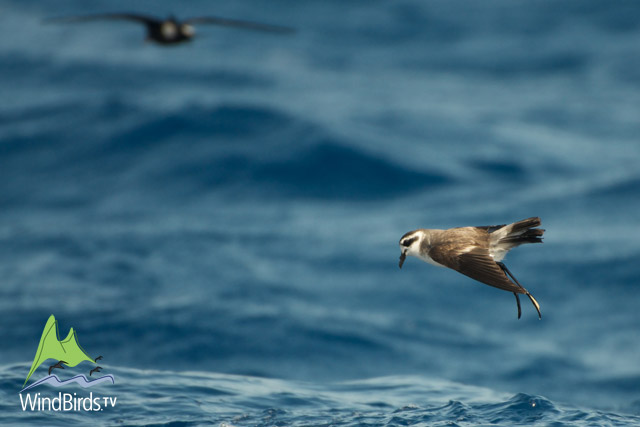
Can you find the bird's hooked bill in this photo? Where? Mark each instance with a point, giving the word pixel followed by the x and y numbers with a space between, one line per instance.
pixel 403 256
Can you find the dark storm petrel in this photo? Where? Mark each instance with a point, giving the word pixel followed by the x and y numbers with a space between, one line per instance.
pixel 170 30
pixel 476 252
pixel 57 366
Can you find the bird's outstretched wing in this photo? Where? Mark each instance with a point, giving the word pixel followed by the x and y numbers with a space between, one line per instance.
pixel 144 19
pixel 249 25
pixel 476 264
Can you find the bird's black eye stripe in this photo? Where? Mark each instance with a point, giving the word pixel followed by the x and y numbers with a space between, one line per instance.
pixel 408 242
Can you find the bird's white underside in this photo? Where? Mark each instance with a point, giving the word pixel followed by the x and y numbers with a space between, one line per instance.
pixel 427 258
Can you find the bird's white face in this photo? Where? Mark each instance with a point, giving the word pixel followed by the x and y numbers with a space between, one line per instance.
pixel 410 245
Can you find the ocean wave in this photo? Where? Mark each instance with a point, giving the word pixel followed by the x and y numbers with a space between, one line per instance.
pixel 496 64
pixel 194 125
pixel 509 169
pixel 235 400
pixel 624 189
pixel 329 170
pixel 245 149
pixel 257 150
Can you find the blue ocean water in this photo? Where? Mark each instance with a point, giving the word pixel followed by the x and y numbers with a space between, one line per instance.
pixel 220 219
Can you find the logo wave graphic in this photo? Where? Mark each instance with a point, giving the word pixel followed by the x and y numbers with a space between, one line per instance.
pixel 81 380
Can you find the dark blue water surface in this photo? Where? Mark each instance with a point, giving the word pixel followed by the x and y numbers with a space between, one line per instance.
pixel 220 219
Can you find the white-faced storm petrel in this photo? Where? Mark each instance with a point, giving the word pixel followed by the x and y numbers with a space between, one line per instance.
pixel 476 252
pixel 170 30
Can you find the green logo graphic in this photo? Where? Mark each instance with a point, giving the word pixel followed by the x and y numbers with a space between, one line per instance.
pixel 66 352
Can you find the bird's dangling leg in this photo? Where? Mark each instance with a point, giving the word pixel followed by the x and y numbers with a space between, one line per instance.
pixel 526 292
pixel 519 308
